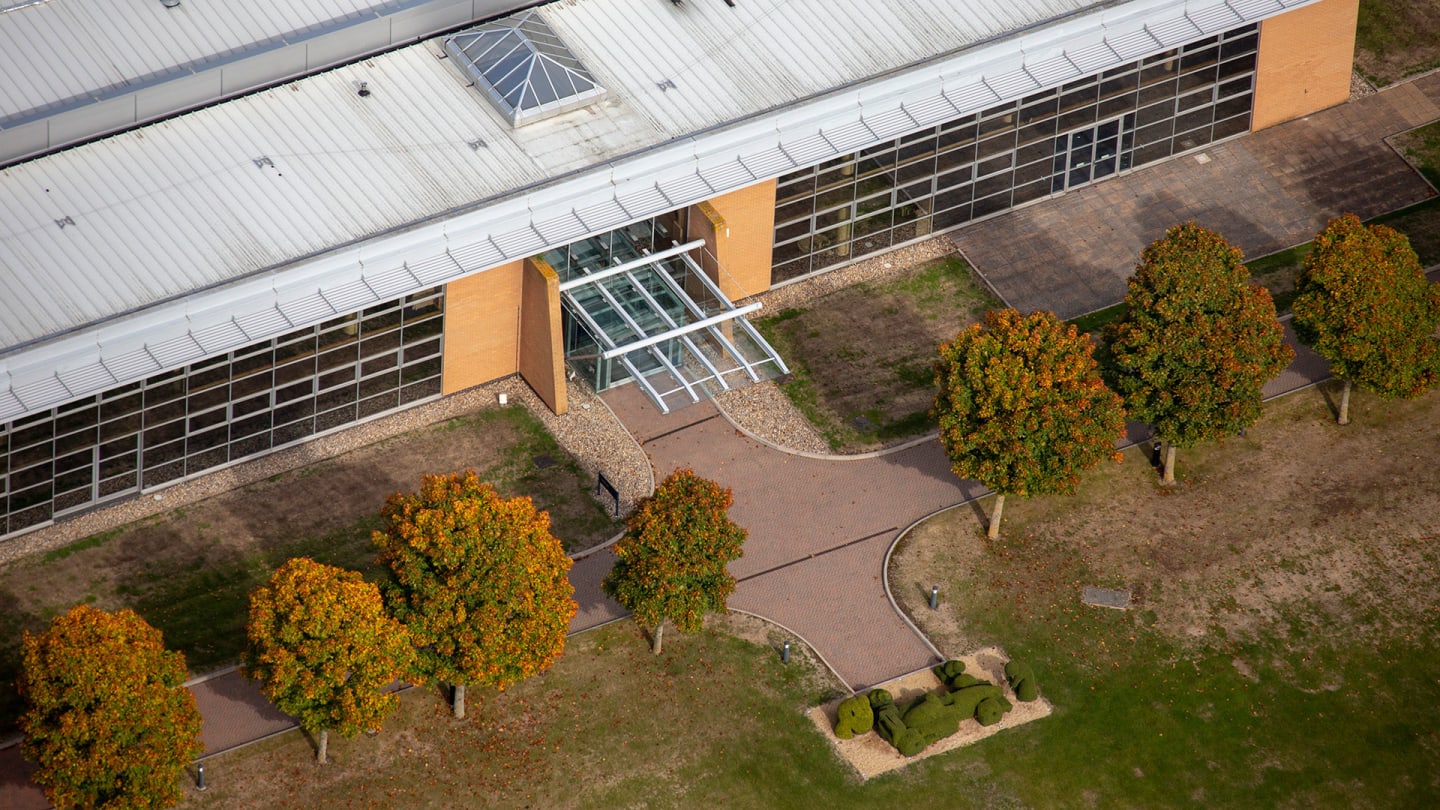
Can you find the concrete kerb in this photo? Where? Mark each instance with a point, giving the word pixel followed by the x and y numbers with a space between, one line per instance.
pixel 822 456
pixel 974 268
pixel 885 570
pixel 199 679
pixel 237 746
pixel 811 647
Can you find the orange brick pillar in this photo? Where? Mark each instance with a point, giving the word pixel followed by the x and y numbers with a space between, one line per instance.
pixel 542 342
pixel 482 327
pixel 739 233
pixel 502 321
pixel 1305 60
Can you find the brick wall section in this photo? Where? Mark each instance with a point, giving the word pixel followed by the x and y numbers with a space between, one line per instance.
pixel 542 344
pixel 482 327
pixel 1305 60
pixel 739 231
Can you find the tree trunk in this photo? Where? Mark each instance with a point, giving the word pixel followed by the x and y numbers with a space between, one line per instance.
pixel 322 746
pixel 995 515
pixel 1169 477
pixel 457 704
pixel 659 630
pixel 1345 404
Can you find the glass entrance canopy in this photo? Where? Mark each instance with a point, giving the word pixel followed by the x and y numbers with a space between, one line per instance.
pixel 661 321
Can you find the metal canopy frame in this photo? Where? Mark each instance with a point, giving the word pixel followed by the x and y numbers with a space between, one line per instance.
pixel 700 350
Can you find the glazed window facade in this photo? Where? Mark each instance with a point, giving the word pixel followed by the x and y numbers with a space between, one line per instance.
pixel 1014 153
pixel 178 423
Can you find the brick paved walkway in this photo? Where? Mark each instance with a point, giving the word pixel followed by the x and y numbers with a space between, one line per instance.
pixel 1265 192
pixel 819 530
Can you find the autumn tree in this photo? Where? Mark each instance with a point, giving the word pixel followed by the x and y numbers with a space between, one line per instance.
pixel 1022 408
pixel 673 562
pixel 1363 303
pixel 324 650
pixel 107 720
pixel 1197 343
pixel 479 581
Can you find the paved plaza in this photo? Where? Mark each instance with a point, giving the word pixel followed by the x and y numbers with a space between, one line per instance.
pixel 1264 192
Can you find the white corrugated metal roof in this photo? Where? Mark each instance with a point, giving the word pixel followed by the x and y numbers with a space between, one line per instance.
pixel 57 50
pixel 233 214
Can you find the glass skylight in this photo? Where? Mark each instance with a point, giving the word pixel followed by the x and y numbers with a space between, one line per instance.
pixel 524 67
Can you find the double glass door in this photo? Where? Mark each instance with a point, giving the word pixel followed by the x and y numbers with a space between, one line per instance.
pixel 1091 154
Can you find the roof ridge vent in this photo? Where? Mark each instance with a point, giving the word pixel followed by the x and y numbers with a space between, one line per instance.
pixel 524 67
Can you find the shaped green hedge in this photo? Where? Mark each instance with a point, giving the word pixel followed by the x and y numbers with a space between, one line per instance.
pixel 1022 680
pixel 854 717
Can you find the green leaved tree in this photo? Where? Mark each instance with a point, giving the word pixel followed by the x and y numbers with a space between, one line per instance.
pixel 1197 343
pixel 324 650
pixel 1022 408
pixel 106 719
pixel 1363 303
pixel 479 581
pixel 673 560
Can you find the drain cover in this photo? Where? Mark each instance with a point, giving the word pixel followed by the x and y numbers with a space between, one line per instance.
pixel 1106 597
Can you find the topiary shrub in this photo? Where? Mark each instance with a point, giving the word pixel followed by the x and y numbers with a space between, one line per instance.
pixel 962 680
pixel 891 727
pixel 948 670
pixel 888 723
pixel 1022 680
pixel 854 716
pixel 934 717
pixel 910 742
pixel 991 709
pixel 965 700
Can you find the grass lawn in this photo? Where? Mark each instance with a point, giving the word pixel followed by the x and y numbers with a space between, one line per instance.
pixel 861 357
pixel 1397 38
pixel 1281 650
pixel 1281 654
pixel 190 572
pixel 716 720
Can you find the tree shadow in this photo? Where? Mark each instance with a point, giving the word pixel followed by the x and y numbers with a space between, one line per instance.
pixel 1327 393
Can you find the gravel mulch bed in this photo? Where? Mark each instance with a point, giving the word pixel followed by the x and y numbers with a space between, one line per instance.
pixel 1359 86
pixel 589 432
pixel 871 756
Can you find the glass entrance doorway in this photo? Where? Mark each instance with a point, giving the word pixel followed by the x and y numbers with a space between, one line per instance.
pixel 1094 153
pixel 657 319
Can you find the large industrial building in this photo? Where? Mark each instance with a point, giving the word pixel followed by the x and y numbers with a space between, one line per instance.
pixel 226 231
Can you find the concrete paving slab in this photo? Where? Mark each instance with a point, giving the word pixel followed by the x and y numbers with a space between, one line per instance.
pixel 1264 192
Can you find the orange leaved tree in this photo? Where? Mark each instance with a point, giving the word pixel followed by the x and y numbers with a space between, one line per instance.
pixel 673 560
pixel 324 650
pixel 479 581
pixel 1022 408
pixel 1363 303
pixel 106 719
pixel 1197 343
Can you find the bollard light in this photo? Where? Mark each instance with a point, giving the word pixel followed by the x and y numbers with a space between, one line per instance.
pixel 785 652
pixel 200 776
pixel 934 596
